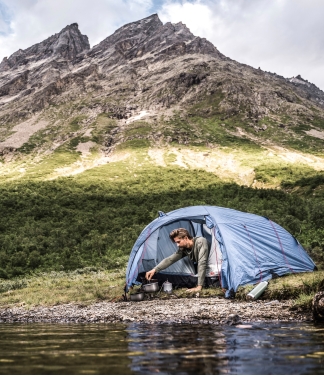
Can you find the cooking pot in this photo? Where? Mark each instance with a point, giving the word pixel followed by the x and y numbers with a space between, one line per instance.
pixel 137 297
pixel 151 287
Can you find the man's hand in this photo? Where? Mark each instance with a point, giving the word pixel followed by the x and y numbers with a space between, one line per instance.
pixel 195 289
pixel 150 274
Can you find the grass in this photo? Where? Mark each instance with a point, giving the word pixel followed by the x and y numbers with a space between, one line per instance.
pixel 198 129
pixel 207 120
pixel 279 173
pixel 90 285
pixel 35 141
pixel 133 144
pixel 60 158
pixel 47 289
pixel 170 158
pixel 138 128
pixel 102 126
pixel 75 124
pixel 300 287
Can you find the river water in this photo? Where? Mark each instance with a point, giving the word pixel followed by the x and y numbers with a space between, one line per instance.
pixel 258 348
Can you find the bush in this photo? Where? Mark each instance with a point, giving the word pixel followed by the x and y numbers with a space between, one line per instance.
pixel 71 223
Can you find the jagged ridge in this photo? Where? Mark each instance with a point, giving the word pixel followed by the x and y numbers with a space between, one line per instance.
pixel 148 66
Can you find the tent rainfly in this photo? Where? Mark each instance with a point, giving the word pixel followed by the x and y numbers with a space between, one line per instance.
pixel 245 248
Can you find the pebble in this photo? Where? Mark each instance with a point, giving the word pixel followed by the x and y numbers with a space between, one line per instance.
pixel 217 311
pixel 272 302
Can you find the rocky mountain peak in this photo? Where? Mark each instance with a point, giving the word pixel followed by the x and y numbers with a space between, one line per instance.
pixel 130 34
pixel 150 36
pixel 68 43
pixel 147 24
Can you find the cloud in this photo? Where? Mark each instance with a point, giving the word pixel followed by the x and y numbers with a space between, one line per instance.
pixel 282 36
pixel 32 21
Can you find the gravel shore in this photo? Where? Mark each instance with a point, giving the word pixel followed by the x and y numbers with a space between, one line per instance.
pixel 195 311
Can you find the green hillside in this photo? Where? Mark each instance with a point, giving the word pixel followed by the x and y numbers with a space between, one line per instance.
pixel 93 218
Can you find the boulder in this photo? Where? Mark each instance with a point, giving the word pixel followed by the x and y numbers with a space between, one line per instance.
pixel 318 307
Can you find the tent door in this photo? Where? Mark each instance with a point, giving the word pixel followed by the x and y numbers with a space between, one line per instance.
pixel 165 248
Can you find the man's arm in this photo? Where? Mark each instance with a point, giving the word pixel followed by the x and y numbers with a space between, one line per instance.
pixel 165 263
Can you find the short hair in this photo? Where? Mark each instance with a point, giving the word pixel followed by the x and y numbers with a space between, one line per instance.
pixel 180 233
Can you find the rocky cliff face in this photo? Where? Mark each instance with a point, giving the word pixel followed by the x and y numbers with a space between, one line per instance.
pixel 308 90
pixel 67 45
pixel 150 38
pixel 148 70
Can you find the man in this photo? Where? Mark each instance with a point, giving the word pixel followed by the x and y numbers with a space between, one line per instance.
pixel 197 249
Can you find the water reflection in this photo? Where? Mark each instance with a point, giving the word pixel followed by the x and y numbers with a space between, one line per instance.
pixel 275 349
pixel 208 349
pixel 63 349
pixel 174 349
pixel 161 349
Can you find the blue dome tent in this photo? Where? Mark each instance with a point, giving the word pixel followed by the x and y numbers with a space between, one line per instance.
pixel 245 248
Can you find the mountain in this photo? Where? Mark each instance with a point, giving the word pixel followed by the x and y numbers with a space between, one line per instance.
pixel 94 141
pixel 151 83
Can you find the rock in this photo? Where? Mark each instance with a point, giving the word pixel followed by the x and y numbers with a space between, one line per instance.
pixel 272 302
pixel 233 319
pixel 318 307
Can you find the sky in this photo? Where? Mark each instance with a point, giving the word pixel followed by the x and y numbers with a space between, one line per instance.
pixel 281 36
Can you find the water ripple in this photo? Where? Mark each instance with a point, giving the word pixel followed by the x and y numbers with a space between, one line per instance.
pixel 161 349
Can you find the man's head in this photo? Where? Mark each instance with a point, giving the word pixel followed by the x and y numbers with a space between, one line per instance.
pixel 181 237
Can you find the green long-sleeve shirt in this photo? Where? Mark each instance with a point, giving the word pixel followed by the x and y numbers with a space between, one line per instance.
pixel 198 253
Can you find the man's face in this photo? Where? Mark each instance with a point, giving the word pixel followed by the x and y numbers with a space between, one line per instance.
pixel 182 242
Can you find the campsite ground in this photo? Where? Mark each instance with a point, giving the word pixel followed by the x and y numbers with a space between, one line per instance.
pixel 96 296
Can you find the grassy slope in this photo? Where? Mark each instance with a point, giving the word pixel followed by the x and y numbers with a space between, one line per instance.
pixel 80 286
pixel 93 219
